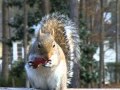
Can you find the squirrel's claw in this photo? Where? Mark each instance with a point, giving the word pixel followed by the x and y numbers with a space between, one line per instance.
pixel 30 63
pixel 48 64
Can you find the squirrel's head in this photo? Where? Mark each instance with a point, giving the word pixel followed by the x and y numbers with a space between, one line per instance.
pixel 46 44
pixel 46 49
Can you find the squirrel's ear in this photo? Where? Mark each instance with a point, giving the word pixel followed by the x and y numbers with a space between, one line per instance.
pixel 40 32
pixel 43 34
pixel 53 32
pixel 37 29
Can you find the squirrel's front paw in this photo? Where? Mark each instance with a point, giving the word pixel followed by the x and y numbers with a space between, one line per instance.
pixel 33 64
pixel 48 64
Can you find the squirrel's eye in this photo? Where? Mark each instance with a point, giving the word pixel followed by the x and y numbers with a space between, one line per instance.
pixel 53 45
pixel 39 46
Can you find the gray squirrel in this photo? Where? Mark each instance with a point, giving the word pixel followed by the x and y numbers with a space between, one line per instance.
pixel 52 53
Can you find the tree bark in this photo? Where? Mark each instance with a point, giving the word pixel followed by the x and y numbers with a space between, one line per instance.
pixel 5 33
pixel 25 30
pixel 25 40
pixel 84 15
pixel 74 11
pixel 101 73
pixel 46 6
pixel 117 41
pixel 74 15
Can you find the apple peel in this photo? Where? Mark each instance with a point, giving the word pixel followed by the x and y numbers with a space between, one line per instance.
pixel 36 63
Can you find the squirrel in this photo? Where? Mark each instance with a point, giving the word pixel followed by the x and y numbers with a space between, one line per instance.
pixel 52 53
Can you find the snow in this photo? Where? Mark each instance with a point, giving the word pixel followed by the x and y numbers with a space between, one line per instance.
pixel 107 17
pixel 109 54
pixel 108 57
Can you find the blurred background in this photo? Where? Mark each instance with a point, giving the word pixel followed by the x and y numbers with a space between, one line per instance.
pixel 99 30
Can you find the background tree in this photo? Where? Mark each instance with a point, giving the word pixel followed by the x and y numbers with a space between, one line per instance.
pixel 25 30
pixel 46 6
pixel 5 37
pixel 25 39
pixel 117 40
pixel 74 11
pixel 74 15
pixel 89 68
pixel 101 77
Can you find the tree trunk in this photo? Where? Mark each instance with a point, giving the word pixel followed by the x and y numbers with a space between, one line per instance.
pixel 74 15
pixel 74 11
pixel 25 36
pixel 5 33
pixel 46 6
pixel 117 41
pixel 101 73
pixel 25 30
pixel 84 15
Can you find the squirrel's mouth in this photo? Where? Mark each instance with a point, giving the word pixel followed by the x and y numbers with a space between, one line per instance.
pixel 38 61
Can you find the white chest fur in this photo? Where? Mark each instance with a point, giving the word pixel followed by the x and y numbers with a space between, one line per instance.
pixel 45 78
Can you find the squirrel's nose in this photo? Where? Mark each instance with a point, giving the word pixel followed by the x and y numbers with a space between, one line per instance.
pixel 44 56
